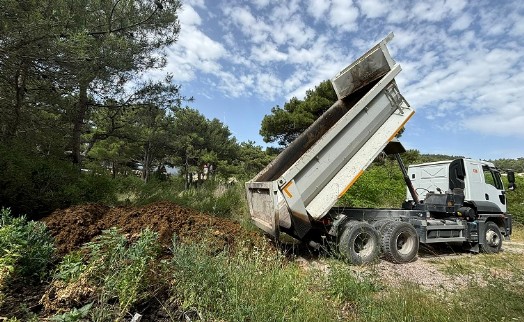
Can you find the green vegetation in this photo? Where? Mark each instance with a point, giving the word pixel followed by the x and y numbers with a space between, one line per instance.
pixel 255 285
pixel 36 185
pixel 111 278
pixel 26 249
pixel 78 113
pixel 380 186
pixel 516 200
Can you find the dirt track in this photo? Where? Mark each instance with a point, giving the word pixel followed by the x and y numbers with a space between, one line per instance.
pixel 77 225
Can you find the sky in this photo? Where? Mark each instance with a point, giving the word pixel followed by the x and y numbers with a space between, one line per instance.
pixel 462 63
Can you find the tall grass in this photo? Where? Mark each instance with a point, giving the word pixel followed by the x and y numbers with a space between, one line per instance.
pixel 212 197
pixel 247 286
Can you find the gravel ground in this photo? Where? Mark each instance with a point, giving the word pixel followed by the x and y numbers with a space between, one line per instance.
pixel 425 271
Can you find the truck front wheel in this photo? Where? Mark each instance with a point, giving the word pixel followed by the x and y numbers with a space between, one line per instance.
pixel 359 243
pixel 493 241
pixel 399 242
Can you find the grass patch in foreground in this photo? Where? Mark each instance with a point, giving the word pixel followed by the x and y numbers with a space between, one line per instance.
pixel 497 301
pixel 518 232
pixel 257 285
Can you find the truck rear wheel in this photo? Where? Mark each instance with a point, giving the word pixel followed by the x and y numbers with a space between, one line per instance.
pixel 399 242
pixel 493 239
pixel 380 224
pixel 359 243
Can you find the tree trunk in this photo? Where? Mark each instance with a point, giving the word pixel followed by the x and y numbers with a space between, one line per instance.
pixel 113 169
pixel 78 124
pixel 146 167
pixel 20 91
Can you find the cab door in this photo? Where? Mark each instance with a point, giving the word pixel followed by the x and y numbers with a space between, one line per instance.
pixel 494 190
pixel 484 187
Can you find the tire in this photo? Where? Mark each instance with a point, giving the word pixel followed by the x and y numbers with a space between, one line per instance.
pixel 493 237
pixel 399 242
pixel 380 224
pixel 359 243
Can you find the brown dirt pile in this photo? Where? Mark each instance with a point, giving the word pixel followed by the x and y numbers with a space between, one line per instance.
pixel 77 225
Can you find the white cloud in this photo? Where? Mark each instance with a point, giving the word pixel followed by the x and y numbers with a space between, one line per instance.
pixel 343 15
pixel 194 50
pixel 292 30
pixel 461 23
pixel 437 10
pixel 518 25
pixel 497 124
pixel 317 8
pixel 399 15
pixel 267 53
pixel 195 3
pixel 260 3
pixel 455 6
pixel 189 17
pixel 255 29
pixel 284 10
pixel 268 84
pixel 374 8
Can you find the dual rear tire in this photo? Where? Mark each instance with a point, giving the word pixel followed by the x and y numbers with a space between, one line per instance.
pixel 399 242
pixel 362 243
pixel 359 243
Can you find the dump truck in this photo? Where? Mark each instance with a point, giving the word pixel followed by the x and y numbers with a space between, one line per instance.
pixel 457 201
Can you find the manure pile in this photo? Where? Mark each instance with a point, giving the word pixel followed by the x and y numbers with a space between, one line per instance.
pixel 72 227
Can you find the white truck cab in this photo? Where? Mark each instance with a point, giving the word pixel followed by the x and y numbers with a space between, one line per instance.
pixel 480 181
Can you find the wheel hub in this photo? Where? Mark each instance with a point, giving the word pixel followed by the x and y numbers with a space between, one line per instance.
pixel 492 238
pixel 405 243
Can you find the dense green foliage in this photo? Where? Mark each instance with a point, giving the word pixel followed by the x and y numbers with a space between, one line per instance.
pixel 516 200
pixel 516 165
pixel 381 186
pixel 26 249
pixel 37 184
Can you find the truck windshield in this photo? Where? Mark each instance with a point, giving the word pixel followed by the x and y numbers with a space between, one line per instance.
pixel 492 177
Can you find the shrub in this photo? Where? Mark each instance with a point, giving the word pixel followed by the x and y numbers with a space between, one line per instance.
pixel 26 248
pixel 38 184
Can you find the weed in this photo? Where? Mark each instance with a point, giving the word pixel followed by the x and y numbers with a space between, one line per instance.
pixel 457 266
pixel 70 268
pixel 254 286
pixel 347 286
pixel 73 315
pixel 26 248
pixel 119 268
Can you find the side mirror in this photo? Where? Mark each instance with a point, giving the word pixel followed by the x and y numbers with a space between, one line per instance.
pixel 511 179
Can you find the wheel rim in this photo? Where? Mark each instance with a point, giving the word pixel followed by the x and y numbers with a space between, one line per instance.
pixel 364 245
pixel 405 243
pixel 492 238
